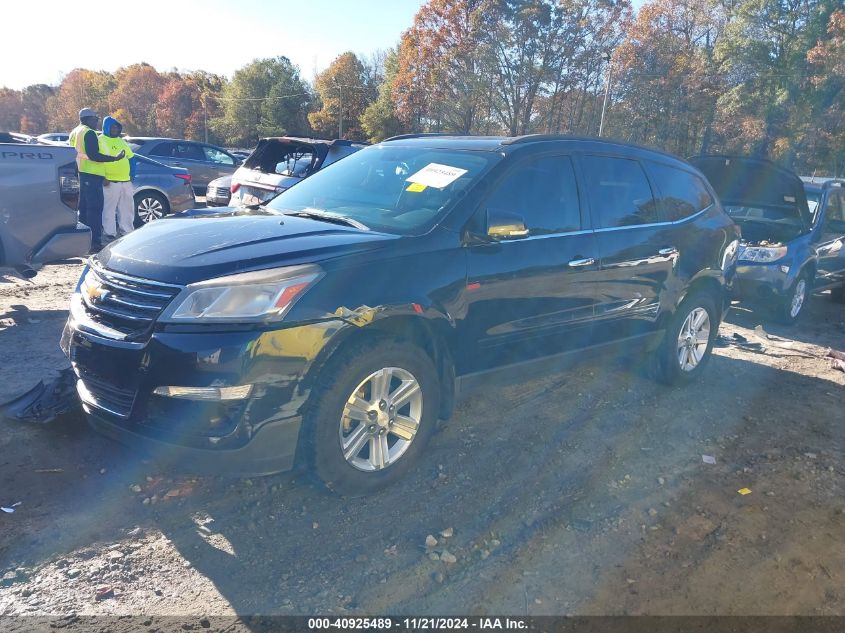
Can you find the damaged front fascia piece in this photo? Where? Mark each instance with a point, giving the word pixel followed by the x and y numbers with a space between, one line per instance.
pixel 44 402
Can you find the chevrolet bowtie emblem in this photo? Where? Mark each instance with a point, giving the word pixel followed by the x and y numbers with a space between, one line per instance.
pixel 95 293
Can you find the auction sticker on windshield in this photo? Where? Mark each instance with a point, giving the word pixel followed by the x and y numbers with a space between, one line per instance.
pixel 436 175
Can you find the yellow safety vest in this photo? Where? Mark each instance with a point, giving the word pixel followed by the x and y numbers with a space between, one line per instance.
pixel 118 171
pixel 83 163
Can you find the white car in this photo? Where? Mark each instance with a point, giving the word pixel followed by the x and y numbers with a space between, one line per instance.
pixel 53 138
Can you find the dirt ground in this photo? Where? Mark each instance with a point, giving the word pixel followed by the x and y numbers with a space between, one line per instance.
pixel 577 493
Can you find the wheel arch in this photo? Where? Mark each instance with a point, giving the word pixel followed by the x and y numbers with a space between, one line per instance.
pixel 430 334
pixel 148 189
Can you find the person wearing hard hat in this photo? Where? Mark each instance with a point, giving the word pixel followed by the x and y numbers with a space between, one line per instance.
pixel 90 162
pixel 118 200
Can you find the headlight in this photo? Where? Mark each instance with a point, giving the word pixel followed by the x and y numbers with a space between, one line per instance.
pixel 762 254
pixel 264 295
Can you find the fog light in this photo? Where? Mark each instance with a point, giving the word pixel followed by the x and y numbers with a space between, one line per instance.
pixel 205 393
pixel 784 270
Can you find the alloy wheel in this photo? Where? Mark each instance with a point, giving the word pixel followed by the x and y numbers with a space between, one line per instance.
pixel 798 297
pixel 693 339
pixel 150 209
pixel 380 419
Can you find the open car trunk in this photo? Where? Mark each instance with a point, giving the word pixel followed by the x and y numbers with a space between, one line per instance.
pixel 766 200
pixel 279 163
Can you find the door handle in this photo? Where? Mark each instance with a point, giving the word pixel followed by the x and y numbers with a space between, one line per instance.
pixel 668 251
pixel 178 164
pixel 578 263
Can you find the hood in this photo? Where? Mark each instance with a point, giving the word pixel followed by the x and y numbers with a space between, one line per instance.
pixel 108 122
pixel 202 244
pixel 755 182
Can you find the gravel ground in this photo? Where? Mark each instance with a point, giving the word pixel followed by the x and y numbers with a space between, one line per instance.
pixel 576 493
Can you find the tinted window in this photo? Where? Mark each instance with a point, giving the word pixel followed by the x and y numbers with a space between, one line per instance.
pixel 214 155
pixel 619 192
pixel 544 193
pixel 162 149
pixel 681 194
pixel 188 151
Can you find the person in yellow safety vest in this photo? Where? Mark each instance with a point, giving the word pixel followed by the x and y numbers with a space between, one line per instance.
pixel 118 192
pixel 92 170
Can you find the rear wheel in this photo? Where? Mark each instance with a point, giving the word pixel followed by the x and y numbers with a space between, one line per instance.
pixel 688 342
pixel 792 305
pixel 372 415
pixel 149 206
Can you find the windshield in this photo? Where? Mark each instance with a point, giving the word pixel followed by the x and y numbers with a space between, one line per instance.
pixel 813 198
pixel 393 189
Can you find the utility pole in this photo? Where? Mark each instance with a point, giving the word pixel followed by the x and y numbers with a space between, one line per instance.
pixel 340 121
pixel 606 92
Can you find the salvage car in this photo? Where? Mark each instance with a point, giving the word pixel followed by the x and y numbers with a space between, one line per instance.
pixel 779 257
pixel 335 325
pixel 277 163
pixel 39 192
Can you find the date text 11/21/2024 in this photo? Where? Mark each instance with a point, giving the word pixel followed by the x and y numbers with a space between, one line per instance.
pixel 417 624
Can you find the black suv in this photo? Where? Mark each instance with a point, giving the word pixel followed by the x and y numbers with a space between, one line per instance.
pixel 341 320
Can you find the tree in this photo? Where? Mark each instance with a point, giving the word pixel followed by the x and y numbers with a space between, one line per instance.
pixel 379 120
pixel 34 108
pixel 135 97
pixel 178 105
pixel 264 98
pixel 344 93
pixel 444 59
pixel 767 107
pixel 79 89
pixel 666 77
pixel 10 110
pixel 826 144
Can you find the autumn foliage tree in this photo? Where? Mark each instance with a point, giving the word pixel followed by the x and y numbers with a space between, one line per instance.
pixel 668 82
pixel 344 94
pixel 79 89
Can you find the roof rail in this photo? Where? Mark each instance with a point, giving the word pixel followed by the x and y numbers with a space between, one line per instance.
pixel 528 138
pixel 402 137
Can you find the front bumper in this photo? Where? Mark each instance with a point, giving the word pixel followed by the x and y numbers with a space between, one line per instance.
pixel 63 244
pixel 763 282
pixel 257 434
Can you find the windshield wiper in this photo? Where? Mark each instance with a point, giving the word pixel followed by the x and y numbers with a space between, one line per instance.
pixel 327 216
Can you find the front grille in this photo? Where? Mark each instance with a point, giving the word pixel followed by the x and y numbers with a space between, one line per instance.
pixel 99 393
pixel 126 304
pixel 218 192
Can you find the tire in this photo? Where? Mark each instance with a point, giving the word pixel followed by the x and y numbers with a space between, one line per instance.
pixel 359 369
pixel 149 206
pixel 790 308
pixel 679 359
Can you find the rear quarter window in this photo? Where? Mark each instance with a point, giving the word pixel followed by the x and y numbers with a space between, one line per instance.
pixel 680 193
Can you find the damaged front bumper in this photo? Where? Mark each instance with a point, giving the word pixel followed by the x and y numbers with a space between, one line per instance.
pixel 206 401
pixel 763 282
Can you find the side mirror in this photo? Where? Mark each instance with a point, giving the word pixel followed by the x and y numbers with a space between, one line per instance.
pixel 502 225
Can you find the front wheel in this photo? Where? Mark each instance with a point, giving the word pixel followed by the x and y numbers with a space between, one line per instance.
pixel 372 415
pixel 688 342
pixel 792 305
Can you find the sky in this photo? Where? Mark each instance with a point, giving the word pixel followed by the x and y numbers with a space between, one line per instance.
pixel 219 36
